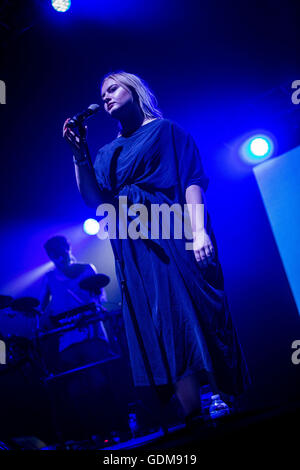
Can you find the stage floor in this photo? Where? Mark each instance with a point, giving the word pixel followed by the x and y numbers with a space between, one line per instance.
pixel 275 424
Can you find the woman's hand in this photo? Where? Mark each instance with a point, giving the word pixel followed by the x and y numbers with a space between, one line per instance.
pixel 203 248
pixel 74 139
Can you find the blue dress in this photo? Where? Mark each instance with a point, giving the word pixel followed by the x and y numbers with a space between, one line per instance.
pixel 181 308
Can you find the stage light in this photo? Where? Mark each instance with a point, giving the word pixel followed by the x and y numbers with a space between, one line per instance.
pixel 91 226
pixel 257 148
pixel 61 5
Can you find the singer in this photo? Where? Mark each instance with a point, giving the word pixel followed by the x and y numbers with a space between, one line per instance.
pixel 177 294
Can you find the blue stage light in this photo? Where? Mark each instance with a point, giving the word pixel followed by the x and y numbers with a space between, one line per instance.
pixel 257 149
pixel 91 226
pixel 61 5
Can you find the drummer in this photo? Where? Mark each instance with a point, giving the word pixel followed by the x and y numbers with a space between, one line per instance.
pixel 61 292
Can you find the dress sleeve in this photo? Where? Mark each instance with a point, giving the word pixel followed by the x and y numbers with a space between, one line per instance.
pixel 190 168
pixel 98 167
pixel 101 167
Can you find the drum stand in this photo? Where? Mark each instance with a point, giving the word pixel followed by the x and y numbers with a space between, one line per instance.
pixel 45 375
pixel 49 377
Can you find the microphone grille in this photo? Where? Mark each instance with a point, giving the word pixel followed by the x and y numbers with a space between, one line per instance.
pixel 94 107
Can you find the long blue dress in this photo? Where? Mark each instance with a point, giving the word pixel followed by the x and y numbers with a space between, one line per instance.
pixel 180 307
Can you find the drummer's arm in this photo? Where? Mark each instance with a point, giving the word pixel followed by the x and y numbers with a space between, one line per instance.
pixel 103 296
pixel 45 321
pixel 93 269
pixel 45 294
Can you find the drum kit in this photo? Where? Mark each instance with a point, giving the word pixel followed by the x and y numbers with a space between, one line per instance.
pixel 33 358
pixel 21 348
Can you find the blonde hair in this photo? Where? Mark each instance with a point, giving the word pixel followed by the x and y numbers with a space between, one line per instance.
pixel 140 90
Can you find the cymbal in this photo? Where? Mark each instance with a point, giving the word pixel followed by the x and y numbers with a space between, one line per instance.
pixel 5 301
pixel 25 304
pixel 94 283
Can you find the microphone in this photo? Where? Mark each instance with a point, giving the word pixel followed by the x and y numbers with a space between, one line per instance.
pixel 81 117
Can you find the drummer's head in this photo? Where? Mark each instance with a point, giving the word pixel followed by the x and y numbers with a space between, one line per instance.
pixel 59 251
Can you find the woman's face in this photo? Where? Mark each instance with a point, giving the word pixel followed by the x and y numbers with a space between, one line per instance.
pixel 116 98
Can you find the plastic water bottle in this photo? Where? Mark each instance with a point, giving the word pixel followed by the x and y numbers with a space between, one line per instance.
pixel 218 407
pixel 133 424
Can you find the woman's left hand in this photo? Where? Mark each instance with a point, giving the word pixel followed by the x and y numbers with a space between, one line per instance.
pixel 203 248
